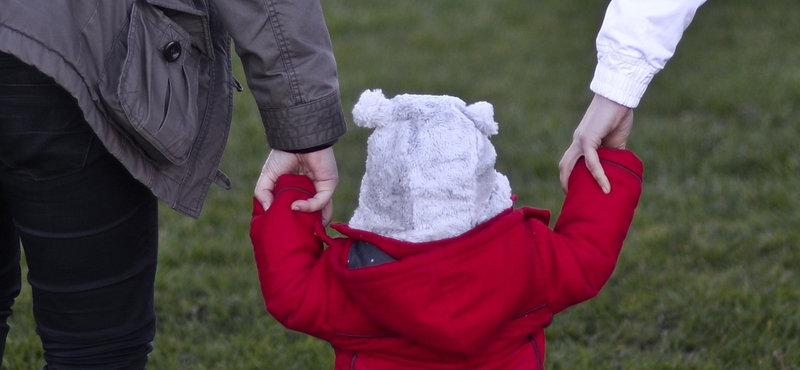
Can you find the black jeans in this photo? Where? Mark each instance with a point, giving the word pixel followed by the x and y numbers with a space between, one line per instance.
pixel 88 229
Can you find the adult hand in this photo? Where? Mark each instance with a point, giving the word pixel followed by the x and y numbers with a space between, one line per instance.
pixel 605 123
pixel 319 166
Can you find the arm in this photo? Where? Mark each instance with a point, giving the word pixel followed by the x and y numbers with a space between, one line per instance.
pixel 578 257
pixel 636 40
pixel 294 282
pixel 288 59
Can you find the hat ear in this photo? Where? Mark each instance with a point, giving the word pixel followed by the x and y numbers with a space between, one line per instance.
pixel 372 109
pixel 482 114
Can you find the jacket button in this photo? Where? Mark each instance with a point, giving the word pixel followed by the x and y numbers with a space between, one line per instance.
pixel 172 51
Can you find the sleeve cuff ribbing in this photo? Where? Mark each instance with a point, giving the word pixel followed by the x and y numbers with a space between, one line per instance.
pixel 621 78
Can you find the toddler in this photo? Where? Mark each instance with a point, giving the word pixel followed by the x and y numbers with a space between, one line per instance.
pixel 436 269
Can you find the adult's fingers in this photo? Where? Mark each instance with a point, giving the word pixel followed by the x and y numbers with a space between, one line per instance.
pixel 277 163
pixel 263 190
pixel 605 123
pixel 567 164
pixel 321 168
pixel 596 169
pixel 592 162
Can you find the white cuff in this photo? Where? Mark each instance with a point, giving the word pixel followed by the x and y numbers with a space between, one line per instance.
pixel 622 78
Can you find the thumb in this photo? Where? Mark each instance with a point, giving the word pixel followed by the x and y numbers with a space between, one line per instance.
pixel 317 203
pixel 324 189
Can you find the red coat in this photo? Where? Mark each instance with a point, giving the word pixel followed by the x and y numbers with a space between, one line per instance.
pixel 477 301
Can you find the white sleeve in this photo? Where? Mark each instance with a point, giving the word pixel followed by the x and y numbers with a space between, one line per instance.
pixel 635 42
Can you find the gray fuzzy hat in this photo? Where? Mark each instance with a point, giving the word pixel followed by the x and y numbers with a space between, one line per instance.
pixel 430 167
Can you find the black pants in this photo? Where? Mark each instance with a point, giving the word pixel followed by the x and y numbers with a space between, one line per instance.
pixel 88 229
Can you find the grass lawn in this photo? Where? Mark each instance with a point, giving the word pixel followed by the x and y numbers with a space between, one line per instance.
pixel 709 275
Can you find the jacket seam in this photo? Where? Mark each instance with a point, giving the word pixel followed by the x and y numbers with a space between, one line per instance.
pixel 293 188
pixel 537 308
pixel 324 101
pixel 615 164
pixel 391 335
pixel 283 47
pixel 539 364
pixel 197 147
pixel 66 61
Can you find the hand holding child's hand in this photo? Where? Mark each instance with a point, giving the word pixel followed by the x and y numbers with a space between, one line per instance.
pixel 605 123
pixel 319 166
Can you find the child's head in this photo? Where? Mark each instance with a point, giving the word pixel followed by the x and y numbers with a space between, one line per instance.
pixel 430 167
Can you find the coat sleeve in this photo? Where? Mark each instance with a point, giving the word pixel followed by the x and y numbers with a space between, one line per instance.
pixel 295 284
pixel 577 257
pixel 288 59
pixel 635 42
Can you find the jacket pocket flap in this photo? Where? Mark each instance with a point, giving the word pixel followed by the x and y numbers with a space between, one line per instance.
pixel 151 87
pixel 193 21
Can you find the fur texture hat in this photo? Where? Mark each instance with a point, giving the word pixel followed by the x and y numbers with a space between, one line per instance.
pixel 430 167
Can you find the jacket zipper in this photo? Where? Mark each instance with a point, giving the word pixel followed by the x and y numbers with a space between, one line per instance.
pixel 539 363
pixel 622 167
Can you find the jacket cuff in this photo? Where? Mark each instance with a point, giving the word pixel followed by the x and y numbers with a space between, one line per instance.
pixel 621 78
pixel 310 125
pixel 311 150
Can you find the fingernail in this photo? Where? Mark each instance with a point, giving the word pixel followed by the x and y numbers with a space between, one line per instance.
pixel 295 208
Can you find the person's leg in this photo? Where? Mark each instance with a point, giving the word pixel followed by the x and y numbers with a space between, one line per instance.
pixel 10 278
pixel 88 229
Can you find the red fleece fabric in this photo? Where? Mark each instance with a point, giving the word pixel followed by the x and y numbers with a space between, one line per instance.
pixel 479 301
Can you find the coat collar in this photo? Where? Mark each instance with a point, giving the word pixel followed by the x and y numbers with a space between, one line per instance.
pixel 400 249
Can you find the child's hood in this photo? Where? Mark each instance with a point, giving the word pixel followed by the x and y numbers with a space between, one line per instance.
pixel 430 167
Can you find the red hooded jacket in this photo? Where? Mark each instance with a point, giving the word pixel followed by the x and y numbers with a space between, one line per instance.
pixel 477 301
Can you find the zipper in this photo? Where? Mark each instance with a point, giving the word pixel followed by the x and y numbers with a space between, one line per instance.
pixel 389 335
pixel 539 363
pixel 622 167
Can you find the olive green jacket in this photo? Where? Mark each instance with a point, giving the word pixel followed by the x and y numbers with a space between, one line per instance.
pixel 153 78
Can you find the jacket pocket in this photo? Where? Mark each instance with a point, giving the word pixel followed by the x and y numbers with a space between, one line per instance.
pixel 150 86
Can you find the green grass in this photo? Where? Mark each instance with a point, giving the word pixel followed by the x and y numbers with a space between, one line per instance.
pixel 708 278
